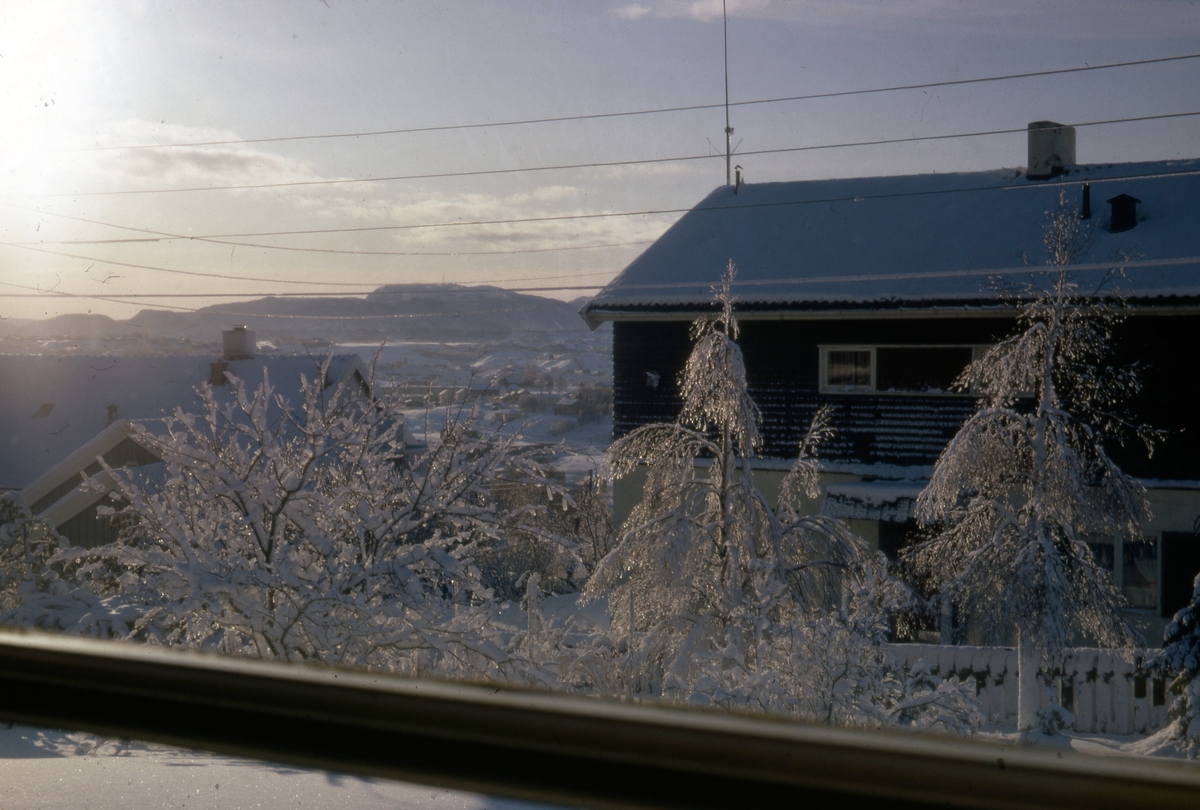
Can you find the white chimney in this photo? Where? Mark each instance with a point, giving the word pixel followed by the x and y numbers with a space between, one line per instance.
pixel 239 343
pixel 1051 149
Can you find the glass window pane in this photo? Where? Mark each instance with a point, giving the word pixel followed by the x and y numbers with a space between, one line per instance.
pixel 849 368
pixel 922 369
pixel 1139 573
pixel 1104 552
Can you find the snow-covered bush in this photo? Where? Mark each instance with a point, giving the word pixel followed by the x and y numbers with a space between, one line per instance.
pixel 1052 718
pixel 1018 492
pixel 27 544
pixel 304 532
pixel 1181 660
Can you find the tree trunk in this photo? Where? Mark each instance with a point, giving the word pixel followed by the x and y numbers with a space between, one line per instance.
pixel 1029 690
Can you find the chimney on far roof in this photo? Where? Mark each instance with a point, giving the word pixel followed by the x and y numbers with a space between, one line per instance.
pixel 239 343
pixel 1051 149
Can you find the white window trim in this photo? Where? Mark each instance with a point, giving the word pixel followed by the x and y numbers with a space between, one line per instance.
pixel 826 388
pixel 1118 573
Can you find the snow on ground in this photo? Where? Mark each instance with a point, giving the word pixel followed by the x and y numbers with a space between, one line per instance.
pixel 1158 744
pixel 55 769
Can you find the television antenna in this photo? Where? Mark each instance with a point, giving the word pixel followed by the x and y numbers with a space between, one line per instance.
pixel 728 129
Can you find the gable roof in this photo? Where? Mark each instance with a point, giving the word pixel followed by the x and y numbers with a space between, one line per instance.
pixel 54 406
pixel 923 240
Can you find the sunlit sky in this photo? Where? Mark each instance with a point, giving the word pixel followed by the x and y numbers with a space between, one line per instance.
pixel 79 78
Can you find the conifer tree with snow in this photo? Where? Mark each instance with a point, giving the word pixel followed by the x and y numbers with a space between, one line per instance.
pixel 704 563
pixel 302 531
pixel 1180 659
pixel 1018 492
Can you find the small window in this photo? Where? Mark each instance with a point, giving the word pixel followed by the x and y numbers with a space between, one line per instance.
pixel 1139 574
pixel 1133 566
pixel 847 368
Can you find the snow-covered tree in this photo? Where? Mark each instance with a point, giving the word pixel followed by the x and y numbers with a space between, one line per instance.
pixel 704 563
pixel 304 532
pixel 27 544
pixel 1018 492
pixel 1180 659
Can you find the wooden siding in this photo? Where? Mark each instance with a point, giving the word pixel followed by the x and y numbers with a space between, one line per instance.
pixel 127 453
pixel 88 529
pixel 782 363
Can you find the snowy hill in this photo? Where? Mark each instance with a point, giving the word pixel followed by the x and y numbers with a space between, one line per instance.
pixel 442 312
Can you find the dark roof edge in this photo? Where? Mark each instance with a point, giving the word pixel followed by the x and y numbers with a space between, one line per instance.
pixel 835 310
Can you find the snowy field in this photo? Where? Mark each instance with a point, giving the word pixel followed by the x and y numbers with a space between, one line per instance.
pixel 42 769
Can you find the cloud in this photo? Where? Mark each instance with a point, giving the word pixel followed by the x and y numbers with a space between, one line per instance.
pixel 173 166
pixel 702 10
pixel 633 11
pixel 1082 19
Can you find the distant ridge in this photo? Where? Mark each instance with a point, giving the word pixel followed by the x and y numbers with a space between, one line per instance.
pixel 391 312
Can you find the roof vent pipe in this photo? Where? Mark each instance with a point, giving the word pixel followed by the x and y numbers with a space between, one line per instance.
pixel 1085 206
pixel 1051 149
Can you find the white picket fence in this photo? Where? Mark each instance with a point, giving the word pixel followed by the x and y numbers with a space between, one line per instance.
pixel 1106 690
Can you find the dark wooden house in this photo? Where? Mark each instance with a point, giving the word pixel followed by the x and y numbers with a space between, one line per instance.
pixel 872 294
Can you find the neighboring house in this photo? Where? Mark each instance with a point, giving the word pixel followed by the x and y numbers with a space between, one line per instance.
pixel 872 294
pixel 59 415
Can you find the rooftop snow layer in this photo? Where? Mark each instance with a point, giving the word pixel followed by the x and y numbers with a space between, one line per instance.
pixel 921 239
pixel 53 405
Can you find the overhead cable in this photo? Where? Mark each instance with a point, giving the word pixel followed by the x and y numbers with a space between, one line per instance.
pixel 654 110
pixel 580 166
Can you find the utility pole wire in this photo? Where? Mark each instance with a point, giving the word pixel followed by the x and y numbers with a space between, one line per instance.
pixel 649 111
pixel 597 165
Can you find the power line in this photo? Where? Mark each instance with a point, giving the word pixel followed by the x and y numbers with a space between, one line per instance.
pixel 228 277
pixel 176 271
pixel 567 217
pixel 654 110
pixel 593 165
pixel 856 278
pixel 164 236
pixel 649 212
pixel 671 211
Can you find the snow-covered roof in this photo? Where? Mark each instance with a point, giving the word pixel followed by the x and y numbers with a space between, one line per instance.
pixel 911 240
pixel 52 406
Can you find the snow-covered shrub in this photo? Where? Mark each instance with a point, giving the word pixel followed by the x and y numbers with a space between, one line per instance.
pixel 1017 493
pixel 27 545
pixel 1052 718
pixel 1181 660
pixel 304 532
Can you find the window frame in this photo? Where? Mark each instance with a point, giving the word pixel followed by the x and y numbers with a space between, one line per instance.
pixel 537 746
pixel 826 388
pixel 1118 572
pixel 823 386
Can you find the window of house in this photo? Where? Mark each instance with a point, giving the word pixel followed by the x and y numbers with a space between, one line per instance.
pixel 1137 574
pixel 848 368
pixel 894 369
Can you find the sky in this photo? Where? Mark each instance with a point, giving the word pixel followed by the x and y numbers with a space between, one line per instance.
pixel 114 196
